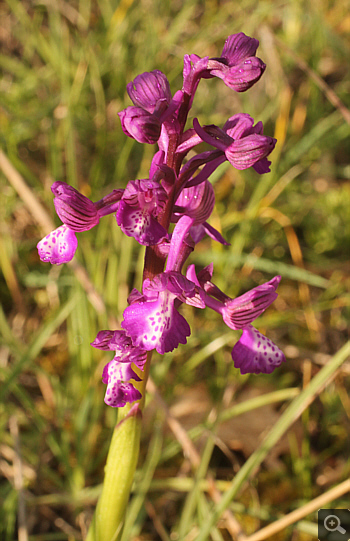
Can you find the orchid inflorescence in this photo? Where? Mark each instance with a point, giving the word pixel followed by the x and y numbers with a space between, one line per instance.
pixel 179 193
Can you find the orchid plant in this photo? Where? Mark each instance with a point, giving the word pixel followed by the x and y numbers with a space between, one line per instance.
pixel 178 191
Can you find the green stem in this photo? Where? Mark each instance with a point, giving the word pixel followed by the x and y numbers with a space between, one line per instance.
pixel 120 468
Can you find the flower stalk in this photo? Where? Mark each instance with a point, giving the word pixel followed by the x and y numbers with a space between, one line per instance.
pixel 107 523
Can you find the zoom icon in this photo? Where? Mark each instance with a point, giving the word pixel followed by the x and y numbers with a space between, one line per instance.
pixel 334 524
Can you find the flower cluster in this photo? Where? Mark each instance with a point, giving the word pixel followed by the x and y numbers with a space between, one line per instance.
pixel 177 192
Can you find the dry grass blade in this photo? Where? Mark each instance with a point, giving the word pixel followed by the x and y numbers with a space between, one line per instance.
pixel 18 480
pixel 328 92
pixel 26 194
pixel 298 514
pixel 192 454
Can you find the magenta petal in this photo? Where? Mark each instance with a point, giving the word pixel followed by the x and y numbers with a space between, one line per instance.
pixel 103 340
pixel 197 202
pixel 256 354
pixel 262 166
pixel 246 152
pixel 214 234
pixel 140 224
pixel 119 394
pixel 119 391
pixel 238 47
pixel 177 285
pixel 59 246
pixel 140 125
pixel 240 125
pixel 242 76
pixel 125 352
pixel 156 324
pixel 141 203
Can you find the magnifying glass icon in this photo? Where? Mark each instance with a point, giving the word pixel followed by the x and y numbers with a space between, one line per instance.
pixel 332 524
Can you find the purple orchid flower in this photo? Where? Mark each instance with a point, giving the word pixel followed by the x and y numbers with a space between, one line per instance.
pixel 77 213
pixel 197 202
pixel 243 144
pixel 151 96
pixel 253 353
pixel 154 321
pixel 142 202
pixel 238 66
pixel 118 372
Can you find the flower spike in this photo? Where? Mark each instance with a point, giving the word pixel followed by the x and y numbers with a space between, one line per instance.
pixel 169 213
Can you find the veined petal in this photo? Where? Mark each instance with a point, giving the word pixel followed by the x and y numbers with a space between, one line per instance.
pixel 74 209
pixel 246 152
pixel 148 89
pixel 59 246
pixel 241 76
pixel 103 340
pixel 121 344
pixel 240 125
pixel 238 47
pixel 240 312
pixel 197 202
pixel 256 354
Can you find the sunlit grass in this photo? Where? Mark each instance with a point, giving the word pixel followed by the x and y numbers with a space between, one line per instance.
pixel 64 71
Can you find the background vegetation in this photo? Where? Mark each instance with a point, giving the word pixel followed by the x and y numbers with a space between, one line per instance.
pixel 205 470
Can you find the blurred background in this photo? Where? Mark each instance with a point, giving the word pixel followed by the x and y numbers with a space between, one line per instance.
pixel 64 69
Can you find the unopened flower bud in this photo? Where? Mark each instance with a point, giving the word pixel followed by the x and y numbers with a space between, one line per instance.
pixel 140 125
pixel 242 76
pixel 148 89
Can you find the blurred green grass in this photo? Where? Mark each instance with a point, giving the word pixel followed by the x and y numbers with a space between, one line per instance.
pixel 64 69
